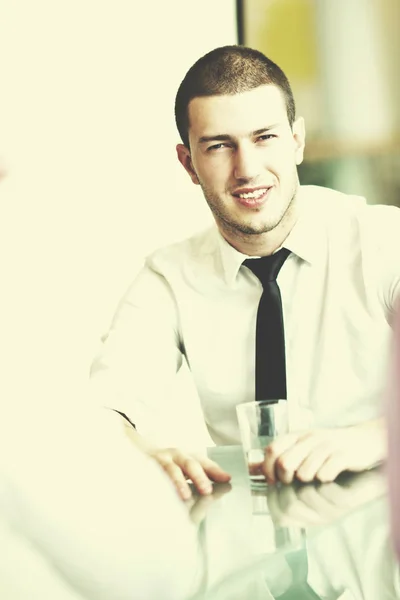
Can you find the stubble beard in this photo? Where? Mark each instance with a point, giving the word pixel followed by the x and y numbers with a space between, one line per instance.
pixel 240 228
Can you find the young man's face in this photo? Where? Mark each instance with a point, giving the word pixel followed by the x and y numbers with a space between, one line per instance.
pixel 243 154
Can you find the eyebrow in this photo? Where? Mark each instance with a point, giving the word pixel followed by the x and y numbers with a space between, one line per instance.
pixel 224 137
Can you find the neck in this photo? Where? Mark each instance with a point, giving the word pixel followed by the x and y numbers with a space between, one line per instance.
pixel 263 244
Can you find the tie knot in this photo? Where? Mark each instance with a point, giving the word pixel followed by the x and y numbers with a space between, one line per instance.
pixel 267 268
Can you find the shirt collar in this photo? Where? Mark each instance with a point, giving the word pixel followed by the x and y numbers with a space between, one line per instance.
pixel 307 239
pixel 231 259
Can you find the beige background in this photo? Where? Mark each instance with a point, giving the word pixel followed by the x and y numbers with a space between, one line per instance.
pixel 88 137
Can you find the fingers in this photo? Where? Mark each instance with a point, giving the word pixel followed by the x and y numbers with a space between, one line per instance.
pixel 178 479
pixel 256 468
pixel 313 461
pixel 169 460
pixel 273 454
pixel 214 471
pixel 306 456
pixel 323 463
pixel 192 469
pixel 331 468
pixel 180 466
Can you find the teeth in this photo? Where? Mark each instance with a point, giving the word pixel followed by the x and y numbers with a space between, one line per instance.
pixel 255 194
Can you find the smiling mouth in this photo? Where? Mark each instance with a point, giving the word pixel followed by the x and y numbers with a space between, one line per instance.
pixel 252 198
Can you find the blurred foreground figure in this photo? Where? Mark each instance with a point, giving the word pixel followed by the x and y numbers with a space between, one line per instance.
pixel 394 437
pixel 85 515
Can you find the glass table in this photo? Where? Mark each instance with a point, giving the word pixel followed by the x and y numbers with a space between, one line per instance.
pixel 329 541
pixel 105 524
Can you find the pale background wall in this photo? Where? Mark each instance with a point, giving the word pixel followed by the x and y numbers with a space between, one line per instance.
pixel 87 135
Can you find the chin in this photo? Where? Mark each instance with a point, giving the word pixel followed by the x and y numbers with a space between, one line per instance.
pixel 245 229
pixel 265 227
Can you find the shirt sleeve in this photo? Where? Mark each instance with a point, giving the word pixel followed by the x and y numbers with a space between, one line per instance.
pixel 384 231
pixel 136 367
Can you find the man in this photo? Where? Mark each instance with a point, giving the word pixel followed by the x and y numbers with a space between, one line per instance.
pixel 241 143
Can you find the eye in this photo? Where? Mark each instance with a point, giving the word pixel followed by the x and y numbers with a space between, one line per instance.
pixel 215 147
pixel 266 137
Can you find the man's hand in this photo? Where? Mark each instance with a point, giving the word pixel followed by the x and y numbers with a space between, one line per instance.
pixel 180 466
pixel 324 453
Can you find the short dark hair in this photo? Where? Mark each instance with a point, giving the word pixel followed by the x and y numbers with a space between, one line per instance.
pixel 226 71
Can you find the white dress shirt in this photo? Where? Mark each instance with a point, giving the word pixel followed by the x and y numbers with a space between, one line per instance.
pixel 195 299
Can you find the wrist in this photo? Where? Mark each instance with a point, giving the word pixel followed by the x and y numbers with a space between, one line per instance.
pixel 374 437
pixel 129 430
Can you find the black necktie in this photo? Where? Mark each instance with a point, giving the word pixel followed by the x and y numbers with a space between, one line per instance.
pixel 270 338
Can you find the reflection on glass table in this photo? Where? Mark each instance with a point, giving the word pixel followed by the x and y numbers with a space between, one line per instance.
pixel 327 541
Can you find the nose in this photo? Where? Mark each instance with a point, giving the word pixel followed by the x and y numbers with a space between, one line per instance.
pixel 247 163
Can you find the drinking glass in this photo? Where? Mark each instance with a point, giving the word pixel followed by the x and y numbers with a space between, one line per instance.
pixel 260 423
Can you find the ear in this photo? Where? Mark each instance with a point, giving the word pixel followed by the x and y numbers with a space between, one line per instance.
pixel 299 136
pixel 185 159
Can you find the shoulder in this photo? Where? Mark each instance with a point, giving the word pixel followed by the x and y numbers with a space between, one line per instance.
pixel 350 210
pixel 377 215
pixel 187 251
pixel 165 269
pixel 331 202
pixel 380 225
